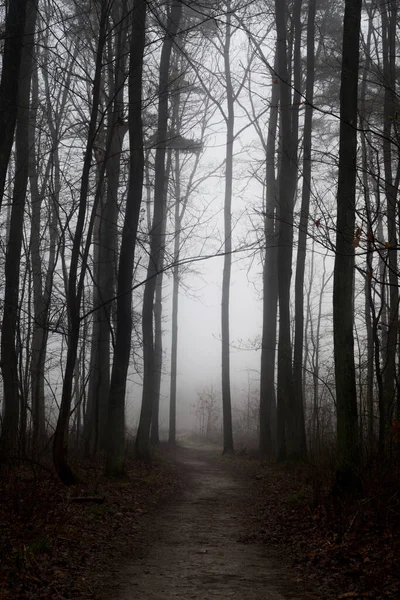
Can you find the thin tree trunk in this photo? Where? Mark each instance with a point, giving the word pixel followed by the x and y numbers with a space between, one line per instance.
pixel 304 216
pixel 389 15
pixel 380 345
pixel 175 304
pixel 156 242
pixel 181 202
pixel 98 379
pixel 270 288
pixel 369 308
pixel 158 346
pixel 37 357
pixel 226 277
pixel 76 279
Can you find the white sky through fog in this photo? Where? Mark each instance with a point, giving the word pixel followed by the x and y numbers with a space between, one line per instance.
pixel 199 345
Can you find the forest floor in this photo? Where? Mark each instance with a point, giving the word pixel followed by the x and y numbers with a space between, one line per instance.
pixel 194 525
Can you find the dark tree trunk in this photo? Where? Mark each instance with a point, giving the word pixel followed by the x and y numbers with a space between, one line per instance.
pixel 287 185
pixel 343 287
pixel 158 301
pixel 304 216
pixel 226 276
pixel 39 342
pixel 370 313
pixel 104 289
pixel 9 351
pixel 156 242
pixel 270 288
pixel 10 78
pixel 122 348
pixel 175 305
pixel 76 279
pixel 389 16
pixel 42 279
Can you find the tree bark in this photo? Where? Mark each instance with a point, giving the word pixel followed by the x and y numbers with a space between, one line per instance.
pixel 389 17
pixel 156 242
pixel 370 317
pixel 10 79
pixel 122 348
pixel 343 287
pixel 226 276
pixel 106 268
pixel 9 352
pixel 174 326
pixel 158 342
pixel 270 288
pixel 287 183
pixel 304 216
pixel 76 278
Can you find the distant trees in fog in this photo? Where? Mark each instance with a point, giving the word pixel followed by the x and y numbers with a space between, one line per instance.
pixel 109 112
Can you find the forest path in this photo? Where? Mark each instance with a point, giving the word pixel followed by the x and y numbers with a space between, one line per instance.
pixel 198 546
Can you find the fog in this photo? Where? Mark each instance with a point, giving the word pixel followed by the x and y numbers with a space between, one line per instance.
pixel 199 345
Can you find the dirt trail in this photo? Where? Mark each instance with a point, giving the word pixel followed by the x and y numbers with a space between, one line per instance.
pixel 198 547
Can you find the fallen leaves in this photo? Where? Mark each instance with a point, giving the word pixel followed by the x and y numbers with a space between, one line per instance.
pixel 352 549
pixel 61 543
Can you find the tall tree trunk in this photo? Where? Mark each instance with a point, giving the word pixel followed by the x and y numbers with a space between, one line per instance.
pixel 382 316
pixel 287 183
pixel 343 287
pixel 369 306
pixel 270 288
pixel 105 282
pixel 37 355
pixel 389 16
pixel 75 278
pixel 42 278
pixel 9 353
pixel 98 379
pixel 304 216
pixel 155 421
pixel 175 304
pixel 156 241
pixel 296 435
pixel 158 345
pixel 122 347
pixel 181 202
pixel 10 79
pixel 226 277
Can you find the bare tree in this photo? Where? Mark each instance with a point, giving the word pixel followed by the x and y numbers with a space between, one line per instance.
pixel 304 217
pixel 270 286
pixel 76 278
pixel 156 241
pixel 10 75
pixel 122 348
pixel 343 286
pixel 9 353
pixel 288 406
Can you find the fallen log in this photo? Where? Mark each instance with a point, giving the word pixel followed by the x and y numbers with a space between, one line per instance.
pixel 94 499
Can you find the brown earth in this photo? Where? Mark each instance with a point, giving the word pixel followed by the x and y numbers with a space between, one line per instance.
pixel 199 547
pixel 195 524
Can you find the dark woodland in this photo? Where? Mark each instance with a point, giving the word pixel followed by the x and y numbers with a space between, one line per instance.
pixel 199 299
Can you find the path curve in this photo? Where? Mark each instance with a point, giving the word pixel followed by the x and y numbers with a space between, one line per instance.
pixel 197 548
